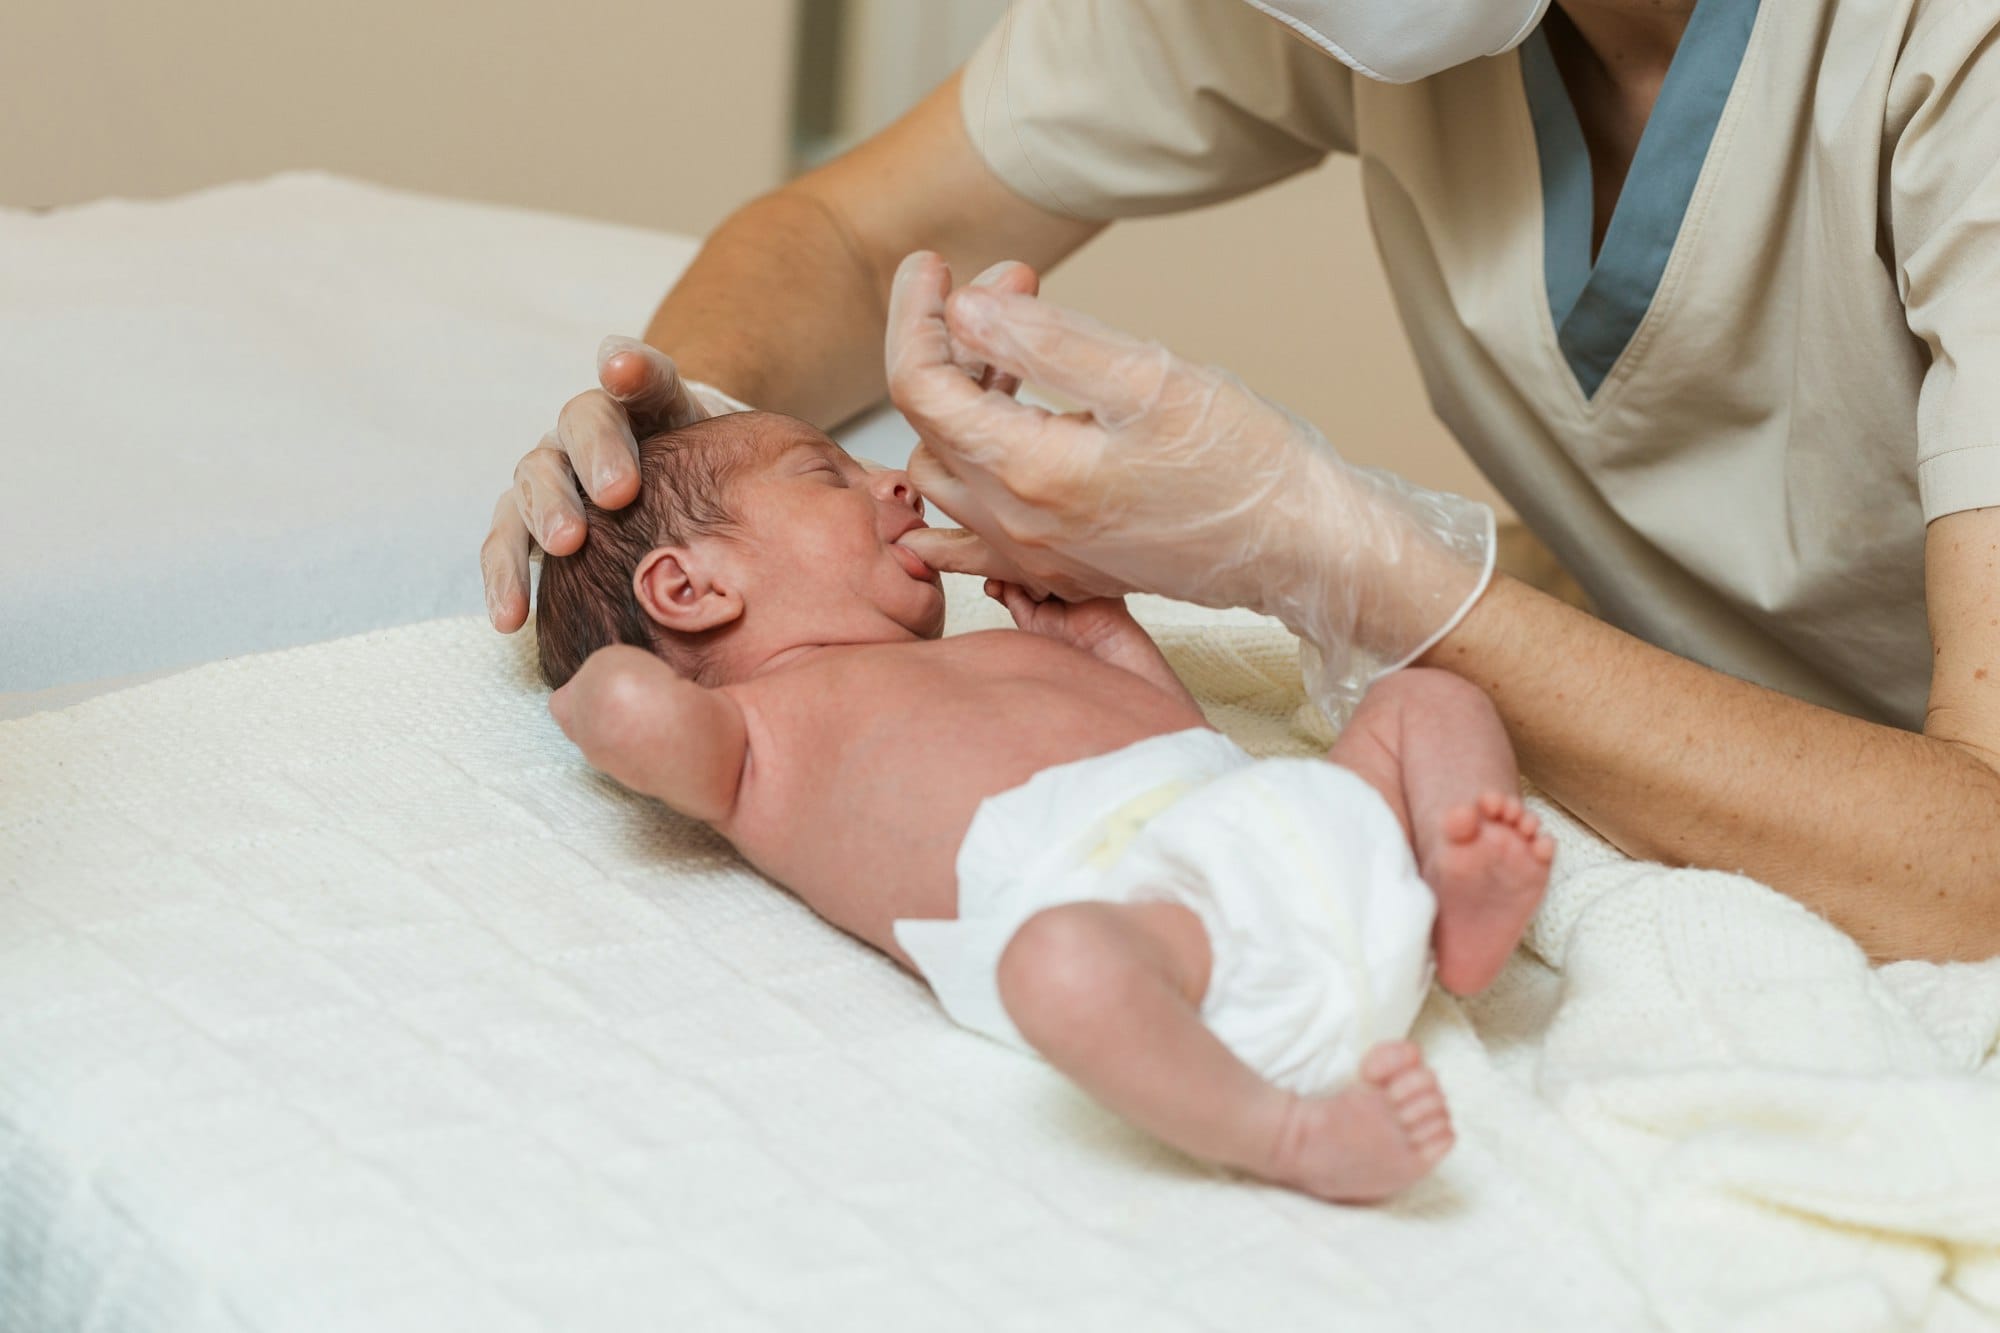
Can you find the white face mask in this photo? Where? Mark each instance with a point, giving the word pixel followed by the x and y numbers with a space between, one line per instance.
pixel 1398 41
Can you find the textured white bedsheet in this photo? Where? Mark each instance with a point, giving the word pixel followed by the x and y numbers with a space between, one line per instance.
pixel 336 994
pixel 277 412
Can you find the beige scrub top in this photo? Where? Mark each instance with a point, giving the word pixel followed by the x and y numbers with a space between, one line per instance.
pixel 1734 424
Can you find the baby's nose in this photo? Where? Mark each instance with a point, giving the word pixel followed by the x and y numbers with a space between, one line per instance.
pixel 896 488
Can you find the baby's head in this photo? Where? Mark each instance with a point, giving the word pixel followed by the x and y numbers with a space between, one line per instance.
pixel 753 533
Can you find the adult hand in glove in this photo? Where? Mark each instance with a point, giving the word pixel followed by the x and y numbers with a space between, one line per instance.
pixel 1168 477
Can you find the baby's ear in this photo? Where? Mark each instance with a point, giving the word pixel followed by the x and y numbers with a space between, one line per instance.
pixel 679 591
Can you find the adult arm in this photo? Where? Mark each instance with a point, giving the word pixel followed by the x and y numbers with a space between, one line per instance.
pixel 784 307
pixel 1224 499
pixel 1892 835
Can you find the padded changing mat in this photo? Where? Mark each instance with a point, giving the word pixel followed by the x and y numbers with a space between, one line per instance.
pixel 336 993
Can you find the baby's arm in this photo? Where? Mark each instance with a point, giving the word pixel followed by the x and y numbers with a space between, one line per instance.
pixel 1102 627
pixel 637 720
pixel 1110 994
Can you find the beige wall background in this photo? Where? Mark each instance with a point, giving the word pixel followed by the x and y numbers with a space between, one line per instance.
pixel 662 113
pixel 667 114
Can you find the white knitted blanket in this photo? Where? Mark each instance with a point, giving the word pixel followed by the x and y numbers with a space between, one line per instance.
pixel 336 993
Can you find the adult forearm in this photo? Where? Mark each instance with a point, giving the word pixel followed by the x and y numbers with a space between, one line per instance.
pixel 785 305
pixel 1893 836
pixel 780 309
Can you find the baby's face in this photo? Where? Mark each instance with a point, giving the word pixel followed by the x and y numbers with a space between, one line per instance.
pixel 817 545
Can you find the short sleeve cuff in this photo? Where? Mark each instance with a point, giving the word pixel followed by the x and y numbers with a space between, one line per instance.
pixel 1105 109
pixel 1959 479
pixel 986 104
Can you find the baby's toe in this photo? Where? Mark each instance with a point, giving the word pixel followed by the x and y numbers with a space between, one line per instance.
pixel 1545 849
pixel 1431 1149
pixel 1426 1123
pixel 1411 1086
pixel 1425 1108
pixel 1434 1123
pixel 1384 1062
pixel 1461 823
pixel 1492 804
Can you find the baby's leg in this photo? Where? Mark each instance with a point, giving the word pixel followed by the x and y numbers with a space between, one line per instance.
pixel 1110 993
pixel 1433 746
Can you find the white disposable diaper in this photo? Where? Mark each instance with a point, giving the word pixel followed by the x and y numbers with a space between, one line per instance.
pixel 1318 921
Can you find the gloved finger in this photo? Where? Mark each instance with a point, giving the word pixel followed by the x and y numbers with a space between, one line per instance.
pixel 1116 376
pixel 933 479
pixel 999 381
pixel 596 434
pixel 545 493
pixel 648 383
pixel 1006 524
pixel 926 381
pixel 1022 445
pixel 1041 570
pixel 1009 275
pixel 1039 574
pixel 959 551
pixel 503 565
pixel 951 498
pixel 915 339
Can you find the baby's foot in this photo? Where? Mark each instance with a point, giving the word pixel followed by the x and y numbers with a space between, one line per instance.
pixel 1370 1140
pixel 1488 869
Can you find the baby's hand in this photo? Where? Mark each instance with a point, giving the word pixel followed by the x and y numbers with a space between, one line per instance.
pixel 1099 626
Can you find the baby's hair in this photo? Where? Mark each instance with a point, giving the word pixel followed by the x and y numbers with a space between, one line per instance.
pixel 585 600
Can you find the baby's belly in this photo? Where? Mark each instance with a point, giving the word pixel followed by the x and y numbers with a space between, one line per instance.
pixel 862 816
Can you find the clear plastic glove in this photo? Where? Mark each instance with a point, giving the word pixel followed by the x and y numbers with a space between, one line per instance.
pixel 1170 478
pixel 596 439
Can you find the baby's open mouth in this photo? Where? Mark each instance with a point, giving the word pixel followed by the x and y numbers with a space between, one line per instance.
pixel 913 564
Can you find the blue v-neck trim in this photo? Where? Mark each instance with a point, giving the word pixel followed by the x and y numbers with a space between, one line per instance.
pixel 1597 307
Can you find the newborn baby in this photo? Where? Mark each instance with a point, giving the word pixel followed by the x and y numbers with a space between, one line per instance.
pixel 1038 821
